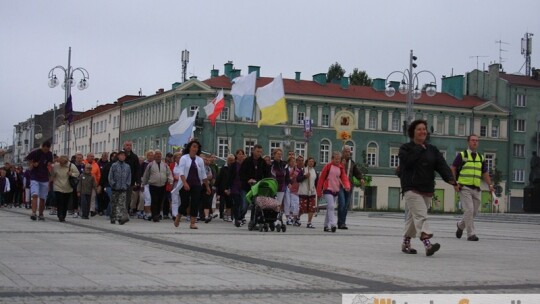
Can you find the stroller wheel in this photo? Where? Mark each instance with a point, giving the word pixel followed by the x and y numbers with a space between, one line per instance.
pixel 265 227
pixel 278 227
pixel 251 225
pixel 284 228
pixel 261 228
pixel 272 227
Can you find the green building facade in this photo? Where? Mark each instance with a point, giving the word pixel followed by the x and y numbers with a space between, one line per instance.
pixel 376 137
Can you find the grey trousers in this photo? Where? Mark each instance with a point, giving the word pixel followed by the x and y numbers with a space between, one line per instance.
pixel 470 202
pixel 416 220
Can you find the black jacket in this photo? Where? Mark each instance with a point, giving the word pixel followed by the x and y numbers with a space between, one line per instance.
pixel 222 180
pixel 418 165
pixel 253 169
pixel 133 161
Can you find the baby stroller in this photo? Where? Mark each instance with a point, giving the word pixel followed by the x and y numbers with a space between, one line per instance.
pixel 265 209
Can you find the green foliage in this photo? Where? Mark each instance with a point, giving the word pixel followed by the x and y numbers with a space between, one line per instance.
pixel 335 72
pixel 358 77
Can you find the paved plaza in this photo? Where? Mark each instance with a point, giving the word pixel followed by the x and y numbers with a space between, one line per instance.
pixel 92 261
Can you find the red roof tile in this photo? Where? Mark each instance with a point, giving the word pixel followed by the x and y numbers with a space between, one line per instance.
pixel 312 88
pixel 520 80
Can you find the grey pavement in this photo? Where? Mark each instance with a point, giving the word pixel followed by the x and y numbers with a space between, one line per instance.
pixel 92 261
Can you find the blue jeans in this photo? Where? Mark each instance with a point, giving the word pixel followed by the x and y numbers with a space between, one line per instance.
pixel 344 197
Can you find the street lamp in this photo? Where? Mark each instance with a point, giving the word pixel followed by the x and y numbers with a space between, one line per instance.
pixel 410 86
pixel 67 84
pixel 39 134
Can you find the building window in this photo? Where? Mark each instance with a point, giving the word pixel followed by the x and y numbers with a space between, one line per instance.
pixel 521 100
pixel 324 156
pixel 325 121
pixel 519 125
pixel 394 159
pixel 490 161
pixel 395 123
pixel 519 150
pixel 483 131
pixel 440 126
pixel 372 121
pixel 248 146
pixel 275 144
pixel 224 115
pixel 223 147
pixel 192 110
pixel 372 153
pixel 300 149
pixel 495 131
pixel 300 118
pixel 461 129
pixel 519 176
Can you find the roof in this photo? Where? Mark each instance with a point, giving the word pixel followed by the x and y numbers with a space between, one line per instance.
pixel 520 80
pixel 105 107
pixel 312 88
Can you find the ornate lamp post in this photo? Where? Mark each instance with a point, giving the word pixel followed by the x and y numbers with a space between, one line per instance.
pixel 67 83
pixel 410 86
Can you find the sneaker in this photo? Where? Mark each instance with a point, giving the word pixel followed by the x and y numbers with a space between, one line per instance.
pixel 140 215
pixel 297 223
pixel 214 216
pixel 432 249
pixel 237 223
pixel 407 249
pixel 344 227
pixel 243 222
pixel 473 238
pixel 207 219
pixel 33 217
pixel 147 217
pixel 326 229
pixel 75 215
pixel 334 228
pixel 41 217
pixel 52 212
pixel 310 225
pixel 459 232
pixel 289 222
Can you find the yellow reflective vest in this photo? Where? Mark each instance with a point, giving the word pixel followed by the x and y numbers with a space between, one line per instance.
pixel 470 173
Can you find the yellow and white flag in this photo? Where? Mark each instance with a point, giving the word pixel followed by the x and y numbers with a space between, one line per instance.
pixel 271 101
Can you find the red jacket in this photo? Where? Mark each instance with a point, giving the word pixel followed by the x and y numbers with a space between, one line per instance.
pixel 322 184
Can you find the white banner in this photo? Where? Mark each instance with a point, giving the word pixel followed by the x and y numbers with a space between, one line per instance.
pixel 441 298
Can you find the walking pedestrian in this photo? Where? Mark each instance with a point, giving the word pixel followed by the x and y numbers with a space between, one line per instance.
pixel 120 181
pixel 469 168
pixel 156 176
pixel 419 161
pixel 333 176
pixel 39 159
pixel 344 197
pixel 307 191
pixel 63 190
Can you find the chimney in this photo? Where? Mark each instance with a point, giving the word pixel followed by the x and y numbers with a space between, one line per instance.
pixel 297 76
pixel 320 78
pixel 454 86
pixel 254 68
pixel 192 77
pixel 160 91
pixel 214 73
pixel 344 82
pixel 228 69
pixel 378 84
pixel 235 73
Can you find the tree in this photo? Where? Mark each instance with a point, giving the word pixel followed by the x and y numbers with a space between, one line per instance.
pixel 335 72
pixel 358 77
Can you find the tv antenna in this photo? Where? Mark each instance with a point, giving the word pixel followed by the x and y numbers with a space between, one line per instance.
pixel 501 59
pixel 477 56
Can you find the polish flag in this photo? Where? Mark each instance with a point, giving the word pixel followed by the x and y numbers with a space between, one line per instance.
pixel 214 108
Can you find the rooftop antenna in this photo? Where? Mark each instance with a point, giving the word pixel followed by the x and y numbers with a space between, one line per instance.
pixel 477 56
pixel 526 50
pixel 501 59
pixel 185 60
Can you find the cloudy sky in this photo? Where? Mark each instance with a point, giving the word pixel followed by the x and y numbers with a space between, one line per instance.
pixel 127 45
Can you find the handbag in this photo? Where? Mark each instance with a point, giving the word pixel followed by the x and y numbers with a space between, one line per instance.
pixel 73 181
